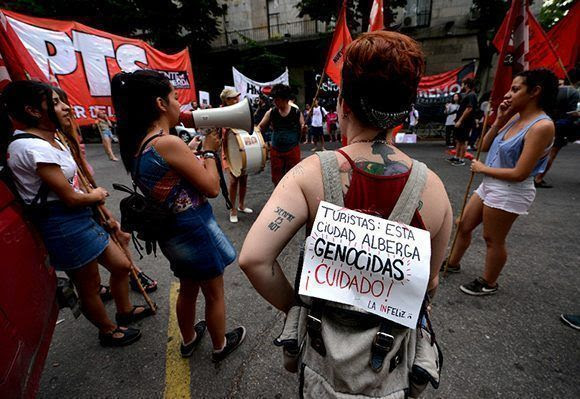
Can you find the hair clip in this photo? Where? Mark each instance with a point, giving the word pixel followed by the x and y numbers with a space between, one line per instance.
pixel 381 119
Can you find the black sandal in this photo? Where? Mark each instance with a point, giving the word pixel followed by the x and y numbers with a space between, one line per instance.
pixel 149 285
pixel 105 293
pixel 132 317
pixel 130 335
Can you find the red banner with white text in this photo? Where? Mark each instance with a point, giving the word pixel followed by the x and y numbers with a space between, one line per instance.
pixel 83 60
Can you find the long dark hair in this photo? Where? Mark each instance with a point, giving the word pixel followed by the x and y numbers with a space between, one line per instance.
pixel 15 97
pixel 547 81
pixel 134 99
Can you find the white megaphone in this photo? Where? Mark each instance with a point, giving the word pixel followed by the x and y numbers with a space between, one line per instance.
pixel 237 116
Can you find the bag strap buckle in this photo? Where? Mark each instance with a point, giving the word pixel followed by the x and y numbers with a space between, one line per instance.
pixel 314 327
pixel 383 342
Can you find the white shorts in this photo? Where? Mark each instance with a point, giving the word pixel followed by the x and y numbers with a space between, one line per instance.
pixel 513 197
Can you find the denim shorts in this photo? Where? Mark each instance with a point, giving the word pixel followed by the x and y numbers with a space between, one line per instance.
pixel 195 246
pixel 71 235
pixel 107 133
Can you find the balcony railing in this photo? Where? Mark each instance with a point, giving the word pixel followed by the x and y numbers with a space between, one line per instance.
pixel 275 32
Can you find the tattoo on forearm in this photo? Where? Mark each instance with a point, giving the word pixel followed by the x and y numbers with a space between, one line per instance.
pixel 282 215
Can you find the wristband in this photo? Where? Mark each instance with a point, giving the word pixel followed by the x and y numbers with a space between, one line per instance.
pixel 209 154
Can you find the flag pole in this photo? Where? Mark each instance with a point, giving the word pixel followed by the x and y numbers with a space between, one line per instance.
pixel 468 188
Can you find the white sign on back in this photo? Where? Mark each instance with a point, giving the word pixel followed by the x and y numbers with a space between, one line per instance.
pixel 375 264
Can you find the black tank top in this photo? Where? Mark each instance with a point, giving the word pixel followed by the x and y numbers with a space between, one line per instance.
pixel 286 129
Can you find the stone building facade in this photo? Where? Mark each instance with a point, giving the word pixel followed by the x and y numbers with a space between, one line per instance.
pixel 445 28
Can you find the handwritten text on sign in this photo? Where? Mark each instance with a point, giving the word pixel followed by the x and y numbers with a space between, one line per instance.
pixel 374 264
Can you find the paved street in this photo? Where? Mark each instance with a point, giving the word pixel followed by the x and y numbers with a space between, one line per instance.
pixel 511 345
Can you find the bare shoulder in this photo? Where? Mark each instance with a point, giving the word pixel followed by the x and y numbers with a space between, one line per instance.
pixel 435 204
pixel 542 126
pixel 169 142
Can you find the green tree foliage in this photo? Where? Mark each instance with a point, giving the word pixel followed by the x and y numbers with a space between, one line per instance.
pixel 553 11
pixel 166 24
pixel 327 10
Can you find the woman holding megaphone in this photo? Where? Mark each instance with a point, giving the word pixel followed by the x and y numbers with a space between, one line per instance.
pixel 168 172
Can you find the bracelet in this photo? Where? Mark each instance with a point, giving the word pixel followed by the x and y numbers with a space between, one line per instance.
pixel 209 155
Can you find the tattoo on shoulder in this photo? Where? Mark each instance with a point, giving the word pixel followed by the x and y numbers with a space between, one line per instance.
pixel 387 168
pixel 281 216
pixel 298 170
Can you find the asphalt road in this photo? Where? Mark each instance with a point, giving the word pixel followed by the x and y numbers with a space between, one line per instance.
pixel 511 345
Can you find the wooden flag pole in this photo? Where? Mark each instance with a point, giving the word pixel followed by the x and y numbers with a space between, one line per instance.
pixel 467 192
pixel 86 185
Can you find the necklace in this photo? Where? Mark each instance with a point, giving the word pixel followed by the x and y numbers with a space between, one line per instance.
pixel 371 141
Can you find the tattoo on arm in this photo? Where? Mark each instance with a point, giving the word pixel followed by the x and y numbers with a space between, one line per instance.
pixel 420 205
pixel 297 170
pixel 282 215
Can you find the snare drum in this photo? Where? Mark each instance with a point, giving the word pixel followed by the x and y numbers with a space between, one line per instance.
pixel 246 153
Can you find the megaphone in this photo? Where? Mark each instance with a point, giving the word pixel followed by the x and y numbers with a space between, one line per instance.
pixel 237 116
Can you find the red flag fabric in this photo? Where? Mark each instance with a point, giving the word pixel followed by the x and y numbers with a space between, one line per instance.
pixel 562 40
pixel 340 40
pixel 376 21
pixel 82 60
pixel 17 60
pixel 514 47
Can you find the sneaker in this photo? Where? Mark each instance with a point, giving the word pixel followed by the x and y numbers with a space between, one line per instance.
pixel 450 268
pixel 452 159
pixel 233 218
pixel 233 339
pixel 478 287
pixel 187 350
pixel 573 320
pixel 458 162
pixel 245 210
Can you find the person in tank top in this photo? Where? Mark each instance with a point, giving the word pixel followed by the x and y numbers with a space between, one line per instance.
pixel 287 123
pixel 519 142
pixel 373 173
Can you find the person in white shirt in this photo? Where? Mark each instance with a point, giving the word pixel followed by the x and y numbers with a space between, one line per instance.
pixel 413 119
pixel 451 112
pixel 43 171
pixel 318 114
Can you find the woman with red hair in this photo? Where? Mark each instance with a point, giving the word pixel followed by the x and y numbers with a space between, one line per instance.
pixel 379 83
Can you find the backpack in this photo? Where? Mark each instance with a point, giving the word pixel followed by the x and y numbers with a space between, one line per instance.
pixel 342 351
pixel 142 216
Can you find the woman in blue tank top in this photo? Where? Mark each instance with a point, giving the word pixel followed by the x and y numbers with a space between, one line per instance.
pixel 167 171
pixel 519 142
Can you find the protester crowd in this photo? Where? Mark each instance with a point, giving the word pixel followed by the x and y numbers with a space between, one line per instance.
pixel 370 175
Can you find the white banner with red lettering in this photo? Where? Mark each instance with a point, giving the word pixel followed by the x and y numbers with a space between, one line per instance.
pixel 252 89
pixel 83 60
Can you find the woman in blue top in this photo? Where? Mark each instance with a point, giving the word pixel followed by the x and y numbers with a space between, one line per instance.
pixel 519 142
pixel 167 171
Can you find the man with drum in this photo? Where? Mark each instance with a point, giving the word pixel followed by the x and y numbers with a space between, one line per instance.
pixel 229 96
pixel 287 124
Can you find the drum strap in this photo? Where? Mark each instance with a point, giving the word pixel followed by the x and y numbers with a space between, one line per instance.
pixel 223 184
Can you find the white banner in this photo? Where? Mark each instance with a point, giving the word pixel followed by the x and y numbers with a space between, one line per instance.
pixel 375 264
pixel 252 89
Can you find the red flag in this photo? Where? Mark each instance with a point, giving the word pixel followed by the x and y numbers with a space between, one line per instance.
pixel 514 49
pixel 340 40
pixel 376 17
pixel 560 42
pixel 17 59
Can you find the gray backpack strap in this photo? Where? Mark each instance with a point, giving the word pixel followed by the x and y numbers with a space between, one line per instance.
pixel 411 195
pixel 331 178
